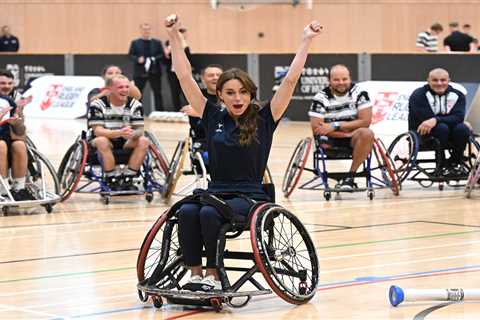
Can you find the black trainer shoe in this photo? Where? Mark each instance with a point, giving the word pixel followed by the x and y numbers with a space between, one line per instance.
pixel 127 183
pixel 346 184
pixel 114 183
pixel 22 195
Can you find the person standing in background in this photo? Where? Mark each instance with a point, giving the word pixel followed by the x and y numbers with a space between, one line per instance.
pixel 8 42
pixel 457 40
pixel 427 41
pixel 147 54
pixel 175 89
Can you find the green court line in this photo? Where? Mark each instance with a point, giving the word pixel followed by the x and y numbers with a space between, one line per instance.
pixel 73 274
pixel 399 239
pixel 325 247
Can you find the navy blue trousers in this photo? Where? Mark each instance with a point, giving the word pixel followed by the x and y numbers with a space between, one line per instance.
pixel 457 136
pixel 198 227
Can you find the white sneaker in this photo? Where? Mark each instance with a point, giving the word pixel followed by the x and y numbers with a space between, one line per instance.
pixel 209 284
pixel 193 284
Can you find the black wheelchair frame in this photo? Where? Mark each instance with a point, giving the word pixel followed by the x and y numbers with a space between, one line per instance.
pixel 406 149
pixel 290 269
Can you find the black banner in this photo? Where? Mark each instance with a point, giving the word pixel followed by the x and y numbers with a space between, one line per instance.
pixel 415 67
pixel 27 68
pixel 315 75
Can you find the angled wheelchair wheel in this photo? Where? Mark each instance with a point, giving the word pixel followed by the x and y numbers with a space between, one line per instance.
pixel 159 258
pixel 156 144
pixel 157 166
pixel 41 177
pixel 284 253
pixel 403 151
pixel 71 168
pixel 473 177
pixel 295 166
pixel 176 167
pixel 386 167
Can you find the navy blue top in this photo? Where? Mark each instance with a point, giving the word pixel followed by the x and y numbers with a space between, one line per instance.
pixel 424 103
pixel 236 168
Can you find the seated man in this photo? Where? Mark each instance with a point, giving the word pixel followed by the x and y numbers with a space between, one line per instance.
pixel 340 116
pixel 13 150
pixel 117 123
pixel 438 110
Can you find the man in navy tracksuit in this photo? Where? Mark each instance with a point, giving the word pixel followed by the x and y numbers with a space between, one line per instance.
pixel 438 110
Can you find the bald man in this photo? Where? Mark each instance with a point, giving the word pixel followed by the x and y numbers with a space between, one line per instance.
pixel 340 116
pixel 438 110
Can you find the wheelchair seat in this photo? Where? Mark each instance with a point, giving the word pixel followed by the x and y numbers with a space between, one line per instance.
pixel 121 156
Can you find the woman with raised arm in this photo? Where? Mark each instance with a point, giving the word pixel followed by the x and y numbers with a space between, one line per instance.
pixel 239 138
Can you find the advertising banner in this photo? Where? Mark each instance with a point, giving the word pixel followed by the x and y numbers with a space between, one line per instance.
pixel 60 97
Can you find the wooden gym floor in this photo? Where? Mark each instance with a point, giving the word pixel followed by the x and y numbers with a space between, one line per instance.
pixel 79 262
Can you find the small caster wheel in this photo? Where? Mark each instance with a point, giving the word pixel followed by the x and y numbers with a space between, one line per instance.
pixel 143 297
pixel 106 199
pixel 49 208
pixel 157 302
pixel 327 195
pixel 302 287
pixel 371 195
pixel 149 197
pixel 216 303
pixel 440 186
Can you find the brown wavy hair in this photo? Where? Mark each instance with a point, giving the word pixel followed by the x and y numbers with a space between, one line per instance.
pixel 247 121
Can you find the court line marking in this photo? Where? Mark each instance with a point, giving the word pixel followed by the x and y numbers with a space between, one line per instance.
pixel 312 231
pixel 26 310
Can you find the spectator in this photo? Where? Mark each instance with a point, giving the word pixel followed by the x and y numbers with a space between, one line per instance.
pixel 427 41
pixel 8 42
pixel 457 40
pixel 147 54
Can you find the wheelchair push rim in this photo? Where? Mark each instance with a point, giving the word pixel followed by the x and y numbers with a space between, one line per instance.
pixel 386 166
pixel 71 168
pixel 403 152
pixel 284 253
pixel 160 249
pixel 295 166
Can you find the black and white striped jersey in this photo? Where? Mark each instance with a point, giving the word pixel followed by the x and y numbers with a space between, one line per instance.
pixel 330 108
pixel 102 113
pixel 427 41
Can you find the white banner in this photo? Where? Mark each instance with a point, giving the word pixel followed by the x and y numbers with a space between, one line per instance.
pixel 60 97
pixel 390 104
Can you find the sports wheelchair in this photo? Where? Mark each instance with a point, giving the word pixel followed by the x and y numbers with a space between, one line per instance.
pixel 416 159
pixel 473 177
pixel 198 154
pixel 82 161
pixel 381 162
pixel 282 251
pixel 41 181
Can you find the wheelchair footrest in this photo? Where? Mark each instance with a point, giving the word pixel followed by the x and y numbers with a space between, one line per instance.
pixel 122 193
pixel 185 295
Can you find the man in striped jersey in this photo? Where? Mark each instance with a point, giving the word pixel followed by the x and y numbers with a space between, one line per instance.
pixel 117 123
pixel 340 116
pixel 427 41
pixel 438 110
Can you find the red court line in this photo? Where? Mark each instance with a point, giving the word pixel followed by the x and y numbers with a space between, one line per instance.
pixel 344 286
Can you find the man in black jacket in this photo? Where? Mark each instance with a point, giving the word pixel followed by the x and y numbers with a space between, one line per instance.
pixel 438 110
pixel 147 54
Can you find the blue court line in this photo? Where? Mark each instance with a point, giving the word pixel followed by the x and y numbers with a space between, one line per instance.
pixel 363 280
